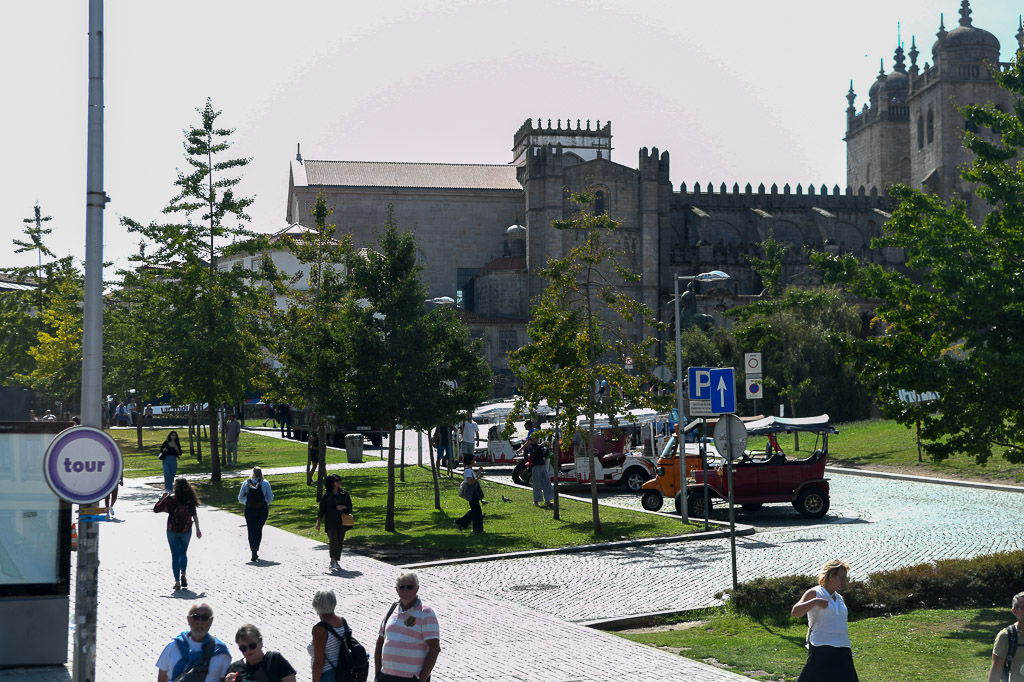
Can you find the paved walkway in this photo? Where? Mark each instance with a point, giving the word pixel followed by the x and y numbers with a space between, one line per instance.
pixel 484 637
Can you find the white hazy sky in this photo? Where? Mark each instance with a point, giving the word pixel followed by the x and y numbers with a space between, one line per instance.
pixel 740 91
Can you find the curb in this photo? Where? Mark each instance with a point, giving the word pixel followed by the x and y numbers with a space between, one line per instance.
pixel 642 619
pixel 1000 487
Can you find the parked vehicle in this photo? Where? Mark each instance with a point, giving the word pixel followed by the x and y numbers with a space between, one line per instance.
pixel 759 477
pixel 301 427
pixel 614 462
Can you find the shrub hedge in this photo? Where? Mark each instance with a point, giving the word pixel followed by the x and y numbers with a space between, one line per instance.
pixel 990 580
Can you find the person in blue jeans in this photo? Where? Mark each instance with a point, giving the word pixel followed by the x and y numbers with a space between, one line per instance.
pixel 182 512
pixel 170 451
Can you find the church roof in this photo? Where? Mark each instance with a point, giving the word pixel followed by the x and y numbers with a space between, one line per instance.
pixel 419 175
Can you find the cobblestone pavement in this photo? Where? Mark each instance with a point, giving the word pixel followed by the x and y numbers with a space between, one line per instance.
pixel 874 524
pixel 484 636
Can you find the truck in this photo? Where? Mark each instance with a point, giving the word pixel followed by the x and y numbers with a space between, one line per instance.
pixel 336 432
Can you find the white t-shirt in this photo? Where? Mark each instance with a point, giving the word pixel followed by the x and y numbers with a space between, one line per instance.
pixel 469 432
pixel 827 626
pixel 170 656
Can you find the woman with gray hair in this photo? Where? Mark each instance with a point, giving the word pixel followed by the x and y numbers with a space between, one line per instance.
pixel 829 653
pixel 336 653
pixel 257 664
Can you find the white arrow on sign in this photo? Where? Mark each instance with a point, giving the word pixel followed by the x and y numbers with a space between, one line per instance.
pixel 722 389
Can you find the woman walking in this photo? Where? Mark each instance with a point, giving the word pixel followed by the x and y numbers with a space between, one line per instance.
pixel 256 495
pixel 829 654
pixel 333 505
pixel 257 664
pixel 474 493
pixel 182 512
pixel 326 646
pixel 170 451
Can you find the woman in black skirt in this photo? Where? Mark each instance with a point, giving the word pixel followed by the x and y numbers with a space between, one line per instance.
pixel 829 655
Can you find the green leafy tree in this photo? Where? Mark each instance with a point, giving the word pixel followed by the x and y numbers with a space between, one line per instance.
pixel 954 321
pixel 586 322
pixel 405 365
pixel 213 315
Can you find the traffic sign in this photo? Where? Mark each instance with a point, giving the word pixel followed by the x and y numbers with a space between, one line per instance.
pixel 628 362
pixel 754 388
pixel 752 365
pixel 715 384
pixel 82 465
pixel 730 437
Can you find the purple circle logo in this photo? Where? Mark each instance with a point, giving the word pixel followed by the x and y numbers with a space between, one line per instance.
pixel 82 464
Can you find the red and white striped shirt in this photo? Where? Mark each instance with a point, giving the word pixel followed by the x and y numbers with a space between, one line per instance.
pixel 405 639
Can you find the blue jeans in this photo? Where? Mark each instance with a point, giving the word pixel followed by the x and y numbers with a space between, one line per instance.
pixel 170 469
pixel 179 551
pixel 444 451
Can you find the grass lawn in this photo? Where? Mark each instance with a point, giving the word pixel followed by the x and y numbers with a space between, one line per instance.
pixel 882 442
pixel 423 533
pixel 934 645
pixel 253 450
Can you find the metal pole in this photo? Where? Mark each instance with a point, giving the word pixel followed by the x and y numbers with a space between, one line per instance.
pixel 680 445
pixel 84 655
pixel 732 508
pixel 704 462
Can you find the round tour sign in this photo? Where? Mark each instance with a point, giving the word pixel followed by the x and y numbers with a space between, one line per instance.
pixel 730 437
pixel 82 465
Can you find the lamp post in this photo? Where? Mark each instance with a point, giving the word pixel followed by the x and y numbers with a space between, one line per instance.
pixel 712 276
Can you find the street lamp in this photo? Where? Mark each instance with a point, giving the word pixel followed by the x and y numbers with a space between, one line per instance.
pixel 712 276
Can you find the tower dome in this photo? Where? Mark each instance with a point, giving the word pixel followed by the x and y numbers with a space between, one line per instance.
pixel 966 42
pixel 515 241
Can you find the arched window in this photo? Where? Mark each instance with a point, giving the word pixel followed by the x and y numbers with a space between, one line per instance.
pixel 931 126
pixel 599 207
pixel 920 131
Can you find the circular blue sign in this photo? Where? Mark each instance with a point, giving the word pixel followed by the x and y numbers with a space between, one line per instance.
pixel 82 465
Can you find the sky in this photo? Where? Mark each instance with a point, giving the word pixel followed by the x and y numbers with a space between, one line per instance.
pixel 740 91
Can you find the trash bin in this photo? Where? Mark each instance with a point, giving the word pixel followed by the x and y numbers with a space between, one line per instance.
pixel 354 447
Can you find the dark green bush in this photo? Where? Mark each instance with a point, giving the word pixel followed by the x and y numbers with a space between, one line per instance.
pixel 990 580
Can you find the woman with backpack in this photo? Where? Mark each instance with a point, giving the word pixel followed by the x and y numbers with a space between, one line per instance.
pixel 256 495
pixel 337 656
pixel 170 451
pixel 182 510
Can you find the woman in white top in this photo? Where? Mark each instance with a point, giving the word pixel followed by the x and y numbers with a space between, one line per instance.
pixel 829 656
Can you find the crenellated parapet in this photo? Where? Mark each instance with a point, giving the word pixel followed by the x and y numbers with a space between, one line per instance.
pixel 787 197
pixel 653 166
pixel 584 141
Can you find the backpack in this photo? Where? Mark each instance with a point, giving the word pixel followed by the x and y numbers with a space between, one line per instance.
pixel 353 661
pixel 1011 632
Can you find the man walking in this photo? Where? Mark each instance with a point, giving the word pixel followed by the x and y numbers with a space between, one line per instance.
pixel 195 648
pixel 470 430
pixel 445 452
pixel 1004 652
pixel 284 411
pixel 537 460
pixel 409 640
pixel 231 431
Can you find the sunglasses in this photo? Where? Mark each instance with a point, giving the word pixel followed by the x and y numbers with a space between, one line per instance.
pixel 201 616
pixel 250 647
pixel 406 587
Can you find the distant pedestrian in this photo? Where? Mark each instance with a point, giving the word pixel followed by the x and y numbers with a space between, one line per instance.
pixel 257 664
pixel 182 512
pixel 829 654
pixel 112 498
pixel 474 493
pixel 1007 664
pixel 409 639
pixel 330 663
pixel 195 649
pixel 285 415
pixel 335 510
pixel 269 406
pixel 256 495
pixel 231 431
pixel 122 415
pixel 537 458
pixel 312 457
pixel 443 443
pixel 170 451
pixel 470 431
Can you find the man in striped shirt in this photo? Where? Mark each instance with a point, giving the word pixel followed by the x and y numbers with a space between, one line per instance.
pixel 409 640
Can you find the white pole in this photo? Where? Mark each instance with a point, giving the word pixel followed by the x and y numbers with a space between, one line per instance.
pixel 680 445
pixel 84 655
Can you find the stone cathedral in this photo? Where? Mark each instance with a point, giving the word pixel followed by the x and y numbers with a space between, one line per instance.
pixel 484 231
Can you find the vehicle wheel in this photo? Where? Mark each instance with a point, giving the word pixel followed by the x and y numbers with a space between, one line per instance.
pixel 634 479
pixel 695 504
pixel 651 500
pixel 812 503
pixel 376 440
pixel 751 506
pixel 522 475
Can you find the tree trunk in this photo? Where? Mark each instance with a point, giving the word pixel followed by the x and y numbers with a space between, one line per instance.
pixel 138 424
pixel 214 459
pixel 556 454
pixel 595 507
pixel 194 424
pixel 389 516
pixel 321 468
pixel 434 473
pixel 401 465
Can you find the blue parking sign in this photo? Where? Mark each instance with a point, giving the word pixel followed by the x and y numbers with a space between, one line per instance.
pixel 714 384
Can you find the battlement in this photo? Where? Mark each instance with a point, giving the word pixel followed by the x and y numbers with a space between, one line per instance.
pixel 787 198
pixel 585 142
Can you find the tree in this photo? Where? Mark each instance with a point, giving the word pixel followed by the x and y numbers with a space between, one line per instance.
pixel 405 366
pixel 953 322
pixel 310 343
pixel 584 325
pixel 213 315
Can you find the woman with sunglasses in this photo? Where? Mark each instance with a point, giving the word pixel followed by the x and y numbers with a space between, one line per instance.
pixel 255 663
